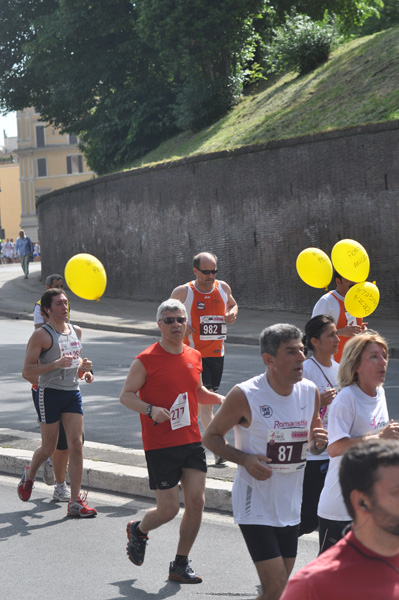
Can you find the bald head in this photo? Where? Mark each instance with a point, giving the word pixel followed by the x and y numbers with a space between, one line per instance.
pixel 204 256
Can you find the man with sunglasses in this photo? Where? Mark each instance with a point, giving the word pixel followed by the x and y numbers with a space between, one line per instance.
pixel 210 305
pixel 164 385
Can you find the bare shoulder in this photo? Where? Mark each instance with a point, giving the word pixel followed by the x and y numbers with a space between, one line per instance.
pixel 78 330
pixel 180 292
pixel 225 286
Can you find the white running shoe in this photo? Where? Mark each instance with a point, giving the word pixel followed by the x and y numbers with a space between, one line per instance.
pixel 48 472
pixel 62 493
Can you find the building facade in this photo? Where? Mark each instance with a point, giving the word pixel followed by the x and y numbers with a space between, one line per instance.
pixel 48 161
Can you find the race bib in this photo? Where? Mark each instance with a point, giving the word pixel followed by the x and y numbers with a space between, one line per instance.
pixel 213 327
pixel 180 412
pixel 287 448
pixel 71 348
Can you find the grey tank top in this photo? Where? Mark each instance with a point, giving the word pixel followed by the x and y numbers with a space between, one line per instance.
pixel 62 344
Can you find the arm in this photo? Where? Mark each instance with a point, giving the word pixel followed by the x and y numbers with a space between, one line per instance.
pixel 38 319
pixel 85 365
pixel 206 396
pixel 235 410
pixel 40 341
pixel 232 306
pixel 389 432
pixel 318 437
pixel 180 293
pixel 135 380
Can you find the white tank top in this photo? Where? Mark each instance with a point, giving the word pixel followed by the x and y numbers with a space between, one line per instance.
pixel 276 501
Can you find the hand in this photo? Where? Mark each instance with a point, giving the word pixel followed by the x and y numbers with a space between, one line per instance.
pixel 160 415
pixel 255 464
pixel 320 435
pixel 351 330
pixel 86 365
pixel 390 431
pixel 65 362
pixel 219 399
pixel 327 397
pixel 230 317
pixel 88 377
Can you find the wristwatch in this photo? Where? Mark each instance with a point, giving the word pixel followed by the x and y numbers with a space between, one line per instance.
pixel 148 410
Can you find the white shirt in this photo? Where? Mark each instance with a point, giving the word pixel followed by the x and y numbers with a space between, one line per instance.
pixel 276 501
pixel 321 375
pixel 353 413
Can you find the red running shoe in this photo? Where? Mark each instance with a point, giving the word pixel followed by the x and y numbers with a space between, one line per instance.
pixel 80 508
pixel 25 486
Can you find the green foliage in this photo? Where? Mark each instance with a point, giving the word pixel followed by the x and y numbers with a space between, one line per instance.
pixel 387 16
pixel 302 44
pixel 201 101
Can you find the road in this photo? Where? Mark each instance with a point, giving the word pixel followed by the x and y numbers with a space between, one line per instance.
pixel 46 555
pixel 106 420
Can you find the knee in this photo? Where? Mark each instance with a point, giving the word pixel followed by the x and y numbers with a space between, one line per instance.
pixel 195 503
pixel 170 512
pixel 75 445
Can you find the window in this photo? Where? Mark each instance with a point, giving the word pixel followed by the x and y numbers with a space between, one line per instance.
pixel 40 141
pixel 42 167
pixel 74 164
pixel 73 140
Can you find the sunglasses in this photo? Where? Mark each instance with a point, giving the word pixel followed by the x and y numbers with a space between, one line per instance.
pixel 208 271
pixel 170 320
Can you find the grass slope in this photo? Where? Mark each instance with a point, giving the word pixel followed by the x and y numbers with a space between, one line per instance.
pixel 358 85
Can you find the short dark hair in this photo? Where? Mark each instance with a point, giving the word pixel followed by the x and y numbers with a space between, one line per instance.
pixel 47 298
pixel 197 259
pixel 360 464
pixel 336 275
pixel 272 337
pixel 315 327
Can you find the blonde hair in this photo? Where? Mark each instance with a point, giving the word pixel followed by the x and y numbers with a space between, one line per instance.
pixel 352 355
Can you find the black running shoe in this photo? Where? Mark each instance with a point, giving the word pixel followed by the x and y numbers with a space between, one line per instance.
pixel 137 543
pixel 183 573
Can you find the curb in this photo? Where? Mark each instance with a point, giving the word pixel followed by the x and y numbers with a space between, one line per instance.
pixel 132 481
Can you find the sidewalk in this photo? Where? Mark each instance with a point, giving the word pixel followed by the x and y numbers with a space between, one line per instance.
pixel 111 467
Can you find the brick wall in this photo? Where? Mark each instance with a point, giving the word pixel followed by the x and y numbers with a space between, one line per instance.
pixel 255 207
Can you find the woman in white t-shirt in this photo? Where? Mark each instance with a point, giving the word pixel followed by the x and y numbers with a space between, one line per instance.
pixel 322 339
pixel 358 412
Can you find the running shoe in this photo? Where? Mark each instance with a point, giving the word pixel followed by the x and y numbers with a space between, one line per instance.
pixel 137 543
pixel 48 472
pixel 80 508
pixel 62 493
pixel 25 486
pixel 219 460
pixel 182 572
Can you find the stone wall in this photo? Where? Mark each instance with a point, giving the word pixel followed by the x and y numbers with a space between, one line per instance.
pixel 255 207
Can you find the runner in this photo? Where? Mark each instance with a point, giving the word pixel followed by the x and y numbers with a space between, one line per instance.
pixel 210 305
pixel 275 415
pixel 52 360
pixel 164 385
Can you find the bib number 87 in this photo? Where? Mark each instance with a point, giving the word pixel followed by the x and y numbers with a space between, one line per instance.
pixel 285 453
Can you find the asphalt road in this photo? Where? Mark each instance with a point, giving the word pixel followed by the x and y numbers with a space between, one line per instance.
pixel 106 420
pixel 46 555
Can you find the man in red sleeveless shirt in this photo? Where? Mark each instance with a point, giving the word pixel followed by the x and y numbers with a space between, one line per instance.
pixel 210 305
pixel 164 385
pixel 333 303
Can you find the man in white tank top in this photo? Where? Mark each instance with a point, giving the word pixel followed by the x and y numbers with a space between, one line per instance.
pixel 275 417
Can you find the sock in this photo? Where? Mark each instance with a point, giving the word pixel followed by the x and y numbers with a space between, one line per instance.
pixel 180 558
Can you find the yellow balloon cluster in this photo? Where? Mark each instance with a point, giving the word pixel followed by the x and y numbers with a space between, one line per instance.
pixel 86 276
pixel 351 261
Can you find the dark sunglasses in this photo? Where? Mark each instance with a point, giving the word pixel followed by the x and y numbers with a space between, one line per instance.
pixel 208 271
pixel 170 320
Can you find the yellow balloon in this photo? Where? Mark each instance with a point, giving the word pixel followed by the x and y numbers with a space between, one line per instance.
pixel 314 267
pixel 351 260
pixel 86 276
pixel 362 299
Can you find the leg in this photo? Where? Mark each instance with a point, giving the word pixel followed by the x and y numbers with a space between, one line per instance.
pixel 60 456
pixel 73 423
pixel 193 485
pixel 273 575
pixel 166 509
pixel 49 441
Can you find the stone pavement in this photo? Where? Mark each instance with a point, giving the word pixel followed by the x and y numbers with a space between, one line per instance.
pixel 111 467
